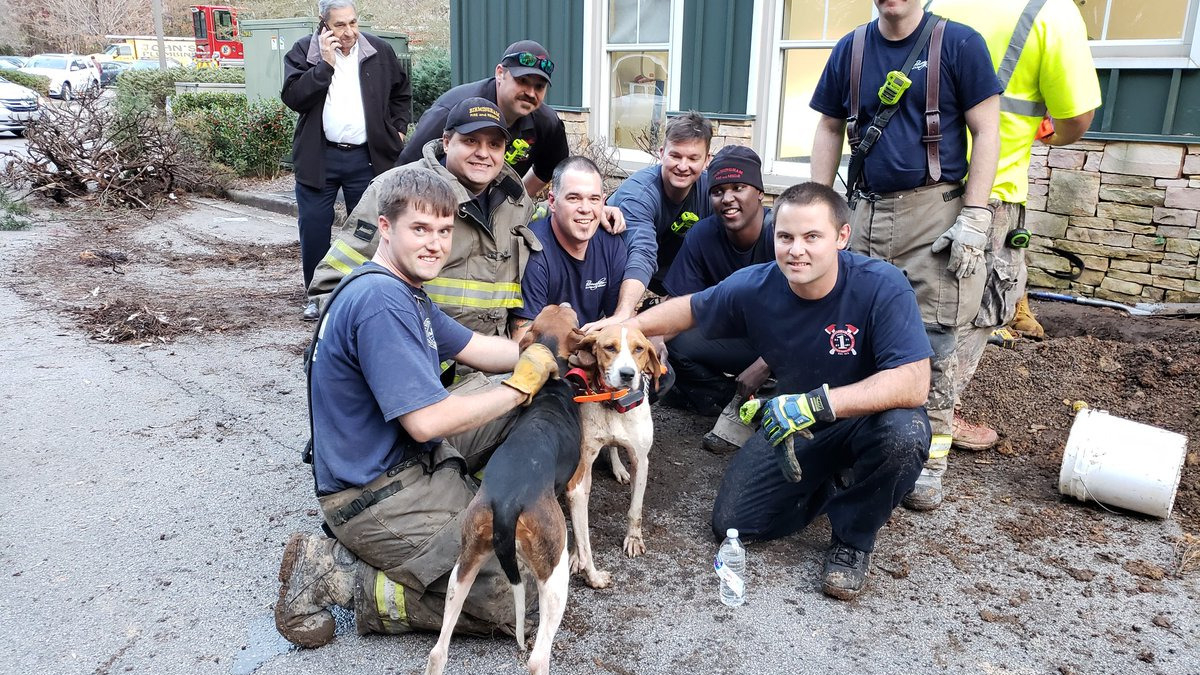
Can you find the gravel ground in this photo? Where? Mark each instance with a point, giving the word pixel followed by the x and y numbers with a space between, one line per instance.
pixel 151 483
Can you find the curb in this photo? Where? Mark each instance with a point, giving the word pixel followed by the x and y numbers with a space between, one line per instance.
pixel 267 201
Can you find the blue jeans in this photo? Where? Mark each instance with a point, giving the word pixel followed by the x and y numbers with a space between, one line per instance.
pixel 855 470
pixel 347 170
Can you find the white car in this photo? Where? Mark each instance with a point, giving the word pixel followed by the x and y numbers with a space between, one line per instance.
pixel 18 106
pixel 69 73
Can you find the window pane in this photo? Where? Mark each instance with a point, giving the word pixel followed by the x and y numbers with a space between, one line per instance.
pixel 622 21
pixel 1093 16
pixel 638 108
pixel 655 21
pixel 845 16
pixel 803 19
pixel 798 122
pixel 1141 20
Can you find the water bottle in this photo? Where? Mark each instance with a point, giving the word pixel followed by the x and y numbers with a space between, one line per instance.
pixel 730 566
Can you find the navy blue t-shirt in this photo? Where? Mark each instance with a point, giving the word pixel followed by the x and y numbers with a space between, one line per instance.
pixel 376 359
pixel 898 160
pixel 591 285
pixel 708 256
pixel 651 241
pixel 869 322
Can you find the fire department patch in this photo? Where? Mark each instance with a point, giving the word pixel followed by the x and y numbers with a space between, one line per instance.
pixel 841 340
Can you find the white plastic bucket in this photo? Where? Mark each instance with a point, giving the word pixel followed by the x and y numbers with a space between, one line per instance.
pixel 1122 463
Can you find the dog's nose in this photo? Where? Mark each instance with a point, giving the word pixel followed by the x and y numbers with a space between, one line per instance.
pixel 627 374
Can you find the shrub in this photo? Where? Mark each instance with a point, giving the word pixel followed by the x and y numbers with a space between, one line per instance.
pixel 38 83
pixel 251 139
pixel 185 104
pixel 137 89
pixel 430 78
pixel 13 214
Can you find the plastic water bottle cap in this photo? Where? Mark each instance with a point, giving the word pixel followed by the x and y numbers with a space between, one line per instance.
pixel 732 533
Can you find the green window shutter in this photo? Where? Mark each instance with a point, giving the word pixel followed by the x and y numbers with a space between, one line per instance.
pixel 480 30
pixel 716 56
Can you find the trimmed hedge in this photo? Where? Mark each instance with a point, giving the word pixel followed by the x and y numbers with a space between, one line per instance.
pixel 251 139
pixel 430 78
pixel 142 88
pixel 38 83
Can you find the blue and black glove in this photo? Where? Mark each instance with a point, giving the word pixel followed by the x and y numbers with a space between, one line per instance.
pixel 790 413
pixel 787 414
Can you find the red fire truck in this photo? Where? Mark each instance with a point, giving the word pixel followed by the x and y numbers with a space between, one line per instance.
pixel 218 37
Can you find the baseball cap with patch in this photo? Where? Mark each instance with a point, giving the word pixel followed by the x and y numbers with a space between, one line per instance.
pixel 736 164
pixel 527 57
pixel 473 114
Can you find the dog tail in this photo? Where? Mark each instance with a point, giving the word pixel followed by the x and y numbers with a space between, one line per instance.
pixel 504 543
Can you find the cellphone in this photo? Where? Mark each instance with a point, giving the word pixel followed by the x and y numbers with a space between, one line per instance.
pixel 322 27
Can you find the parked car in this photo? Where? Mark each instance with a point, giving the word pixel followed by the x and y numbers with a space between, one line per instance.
pixel 148 64
pixel 11 61
pixel 109 70
pixel 18 106
pixel 69 73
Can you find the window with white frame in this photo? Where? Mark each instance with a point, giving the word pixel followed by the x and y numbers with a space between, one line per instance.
pixel 1142 33
pixel 637 44
pixel 809 30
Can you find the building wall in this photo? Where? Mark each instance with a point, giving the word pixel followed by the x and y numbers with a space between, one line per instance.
pixel 1128 210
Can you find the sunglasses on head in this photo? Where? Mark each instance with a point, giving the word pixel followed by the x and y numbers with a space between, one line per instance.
pixel 531 60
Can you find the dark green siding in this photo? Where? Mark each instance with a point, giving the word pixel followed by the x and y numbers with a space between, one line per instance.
pixel 716 56
pixel 1148 105
pixel 481 29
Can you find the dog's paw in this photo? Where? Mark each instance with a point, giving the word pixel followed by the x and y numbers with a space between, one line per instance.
pixel 634 546
pixel 437 662
pixel 619 471
pixel 597 578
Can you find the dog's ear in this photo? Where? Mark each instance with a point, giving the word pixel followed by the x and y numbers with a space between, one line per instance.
pixel 583 355
pixel 571 343
pixel 653 364
pixel 529 338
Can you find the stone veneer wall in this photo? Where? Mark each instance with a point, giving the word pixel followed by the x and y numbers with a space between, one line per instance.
pixel 1128 210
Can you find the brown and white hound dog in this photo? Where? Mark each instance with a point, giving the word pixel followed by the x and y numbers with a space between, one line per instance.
pixel 615 358
pixel 516 512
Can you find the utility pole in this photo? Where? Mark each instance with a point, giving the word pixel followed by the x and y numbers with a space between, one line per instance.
pixel 156 9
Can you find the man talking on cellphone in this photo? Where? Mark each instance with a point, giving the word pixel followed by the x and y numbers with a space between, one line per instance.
pixel 355 103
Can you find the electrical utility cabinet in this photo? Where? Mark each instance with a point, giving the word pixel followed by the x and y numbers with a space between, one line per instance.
pixel 267 41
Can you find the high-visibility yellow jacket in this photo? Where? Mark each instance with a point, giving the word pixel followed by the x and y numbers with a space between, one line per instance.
pixel 1050 72
pixel 481 280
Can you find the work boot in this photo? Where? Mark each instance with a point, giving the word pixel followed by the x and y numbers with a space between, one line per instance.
pixel 976 437
pixel 316 573
pixel 926 495
pixel 1025 323
pixel 312 311
pixel 846 570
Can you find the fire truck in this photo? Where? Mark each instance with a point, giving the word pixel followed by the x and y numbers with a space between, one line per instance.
pixel 218 36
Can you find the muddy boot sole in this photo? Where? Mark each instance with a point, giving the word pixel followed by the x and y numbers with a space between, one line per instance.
pixel 313 630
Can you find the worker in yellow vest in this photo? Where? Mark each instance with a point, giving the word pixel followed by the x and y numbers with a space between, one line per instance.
pixel 1040 50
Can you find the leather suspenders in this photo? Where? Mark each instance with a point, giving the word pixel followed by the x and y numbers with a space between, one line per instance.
pixel 861 145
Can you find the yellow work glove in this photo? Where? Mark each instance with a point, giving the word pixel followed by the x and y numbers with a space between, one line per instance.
pixel 534 367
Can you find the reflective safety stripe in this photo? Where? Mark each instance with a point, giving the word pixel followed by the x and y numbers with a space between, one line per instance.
pixel 343 258
pixel 1012 55
pixel 1018 107
pixel 389 601
pixel 1020 34
pixel 939 447
pixel 476 294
